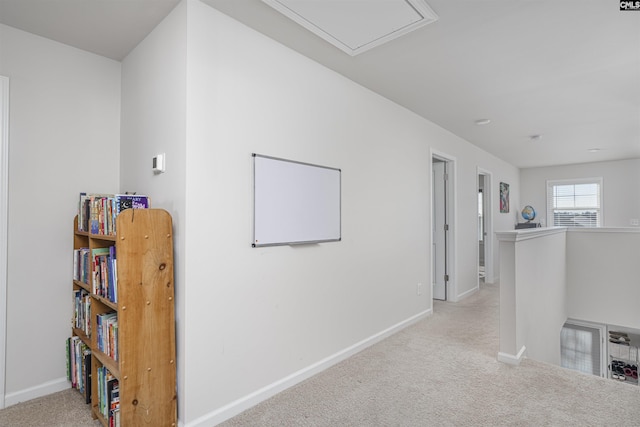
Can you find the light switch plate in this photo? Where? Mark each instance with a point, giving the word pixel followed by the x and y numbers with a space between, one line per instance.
pixel 159 163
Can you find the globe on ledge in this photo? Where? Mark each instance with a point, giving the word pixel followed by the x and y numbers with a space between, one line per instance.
pixel 528 213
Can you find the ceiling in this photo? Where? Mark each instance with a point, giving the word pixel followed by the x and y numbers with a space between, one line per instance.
pixel 568 71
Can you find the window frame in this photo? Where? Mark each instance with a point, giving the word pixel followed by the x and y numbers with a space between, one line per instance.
pixel 575 181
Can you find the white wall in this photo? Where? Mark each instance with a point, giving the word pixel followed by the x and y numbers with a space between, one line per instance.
pixel 272 312
pixel 533 293
pixel 260 318
pixel 64 109
pixel 154 121
pixel 550 275
pixel 603 268
pixel 250 321
pixel 621 187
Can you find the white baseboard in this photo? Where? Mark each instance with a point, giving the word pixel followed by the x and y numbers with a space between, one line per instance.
pixel 467 294
pixel 510 359
pixel 490 279
pixel 37 391
pixel 252 399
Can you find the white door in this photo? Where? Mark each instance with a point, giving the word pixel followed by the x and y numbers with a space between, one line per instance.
pixel 439 281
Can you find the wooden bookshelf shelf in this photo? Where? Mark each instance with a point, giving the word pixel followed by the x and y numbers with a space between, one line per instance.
pixel 106 302
pixel 80 334
pixel 107 238
pixel 139 329
pixel 107 361
pixel 82 285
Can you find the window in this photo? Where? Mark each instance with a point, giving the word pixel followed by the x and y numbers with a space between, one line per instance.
pixel 575 203
pixel 580 348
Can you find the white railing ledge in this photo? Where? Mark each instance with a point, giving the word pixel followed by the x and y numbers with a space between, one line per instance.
pixel 528 233
pixel 604 229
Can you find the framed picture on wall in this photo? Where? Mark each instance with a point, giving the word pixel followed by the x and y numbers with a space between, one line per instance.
pixel 504 197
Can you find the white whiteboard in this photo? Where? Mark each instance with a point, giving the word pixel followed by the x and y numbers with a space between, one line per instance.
pixel 294 202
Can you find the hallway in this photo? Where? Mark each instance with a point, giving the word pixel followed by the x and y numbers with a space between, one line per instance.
pixel 442 371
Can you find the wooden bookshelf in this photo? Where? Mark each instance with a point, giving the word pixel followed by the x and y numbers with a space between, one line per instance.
pixel 145 367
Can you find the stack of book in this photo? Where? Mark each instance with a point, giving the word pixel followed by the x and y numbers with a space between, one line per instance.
pixel 105 273
pixel 108 397
pixel 79 366
pixel 97 212
pixel 81 265
pixel 82 313
pixel 107 330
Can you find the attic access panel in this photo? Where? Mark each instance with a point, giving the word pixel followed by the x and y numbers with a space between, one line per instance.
pixel 355 26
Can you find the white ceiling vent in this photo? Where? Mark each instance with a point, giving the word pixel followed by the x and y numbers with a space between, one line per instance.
pixel 357 25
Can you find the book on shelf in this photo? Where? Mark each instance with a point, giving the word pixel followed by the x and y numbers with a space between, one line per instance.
pixel 104 275
pixel 87 376
pixel 113 402
pixel 79 366
pixel 97 255
pixel 104 376
pixel 68 354
pixel 112 277
pixel 83 213
pixel 97 212
pixel 107 330
pixel 82 313
pixel 86 213
pixel 108 396
pixel 131 201
pixel 76 264
pixel 81 265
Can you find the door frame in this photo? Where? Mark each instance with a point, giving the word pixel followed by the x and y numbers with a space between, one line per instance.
pixel 451 286
pixel 4 208
pixel 488 226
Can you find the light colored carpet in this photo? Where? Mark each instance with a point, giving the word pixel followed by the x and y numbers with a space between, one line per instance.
pixel 62 409
pixel 441 371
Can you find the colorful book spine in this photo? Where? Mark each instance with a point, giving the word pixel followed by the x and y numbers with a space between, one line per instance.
pixel 131 201
pixel 97 212
pixel 107 339
pixel 85 265
pixel 82 212
pixel 108 396
pixel 81 266
pixel 97 286
pixel 79 365
pixel 82 312
pixel 104 277
pixel 112 293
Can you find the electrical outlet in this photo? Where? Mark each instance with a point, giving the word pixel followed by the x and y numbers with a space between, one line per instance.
pixel 635 222
pixel 419 289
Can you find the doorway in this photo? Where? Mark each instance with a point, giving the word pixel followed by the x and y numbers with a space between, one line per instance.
pixel 485 226
pixel 442 246
pixel 4 200
pixel 482 234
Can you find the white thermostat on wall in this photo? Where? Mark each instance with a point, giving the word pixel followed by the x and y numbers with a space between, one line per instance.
pixel 158 163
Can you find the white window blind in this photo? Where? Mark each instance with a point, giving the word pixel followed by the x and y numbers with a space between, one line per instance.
pixel 575 203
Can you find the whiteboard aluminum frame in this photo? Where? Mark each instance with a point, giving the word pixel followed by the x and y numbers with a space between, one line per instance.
pixel 306 242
